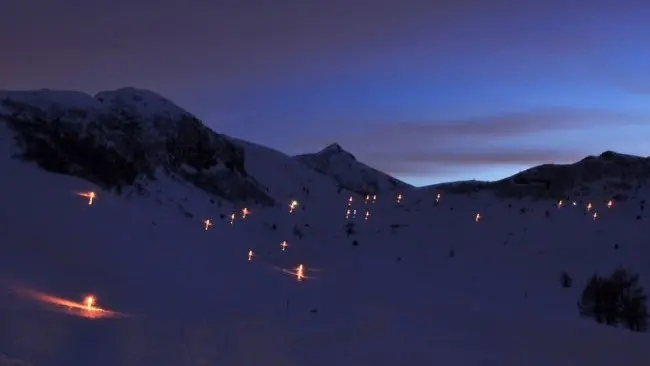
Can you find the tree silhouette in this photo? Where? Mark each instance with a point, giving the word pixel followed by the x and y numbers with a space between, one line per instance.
pixel 618 299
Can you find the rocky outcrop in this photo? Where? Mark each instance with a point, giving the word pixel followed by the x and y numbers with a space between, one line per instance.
pixel 123 137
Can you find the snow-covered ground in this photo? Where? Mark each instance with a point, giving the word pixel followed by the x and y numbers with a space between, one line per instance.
pixel 398 296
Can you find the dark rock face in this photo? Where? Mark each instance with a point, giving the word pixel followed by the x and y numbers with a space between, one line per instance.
pixel 115 145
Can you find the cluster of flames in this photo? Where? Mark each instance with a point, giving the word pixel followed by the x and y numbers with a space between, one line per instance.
pixel 87 308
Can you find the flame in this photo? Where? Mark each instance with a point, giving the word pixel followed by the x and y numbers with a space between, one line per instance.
pixel 90 195
pixel 244 212
pixel 207 223
pixel 86 308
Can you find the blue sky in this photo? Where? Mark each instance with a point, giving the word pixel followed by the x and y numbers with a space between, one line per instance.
pixel 426 90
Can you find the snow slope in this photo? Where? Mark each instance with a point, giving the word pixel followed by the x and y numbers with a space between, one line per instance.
pixel 350 174
pixel 395 297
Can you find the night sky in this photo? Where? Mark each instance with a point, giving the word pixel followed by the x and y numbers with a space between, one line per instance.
pixel 426 90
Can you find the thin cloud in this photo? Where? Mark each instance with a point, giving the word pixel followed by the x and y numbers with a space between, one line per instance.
pixel 445 161
pixel 499 155
pixel 422 135
pixel 485 143
pixel 501 125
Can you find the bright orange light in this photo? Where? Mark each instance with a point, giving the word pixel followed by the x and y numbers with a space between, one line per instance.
pixel 244 212
pixel 90 195
pixel 207 223
pixel 300 272
pixel 90 302
pixel 86 309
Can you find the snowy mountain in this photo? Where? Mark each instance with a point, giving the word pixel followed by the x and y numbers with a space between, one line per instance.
pixel 126 137
pixel 418 280
pixel 349 173
pixel 609 175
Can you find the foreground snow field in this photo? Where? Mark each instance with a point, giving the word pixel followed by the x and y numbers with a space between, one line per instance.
pixel 190 296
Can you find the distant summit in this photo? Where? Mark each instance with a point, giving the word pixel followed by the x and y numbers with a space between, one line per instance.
pixel 609 174
pixel 339 164
pixel 332 149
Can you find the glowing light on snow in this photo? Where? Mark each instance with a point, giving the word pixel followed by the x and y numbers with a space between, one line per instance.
pixel 90 302
pixel 90 195
pixel 244 213
pixel 560 203
pixel 250 255
pixel 354 214
pixel 438 198
pixel 367 198
pixel 366 215
pixel 207 224
pixel 300 272
pixel 347 213
pixel 589 206
pixel 477 218
pixel 232 219
pixel 86 308
pixel 374 198
pixel 350 201
pixel 284 245
pixel 399 198
pixel 574 203
pixel 292 206
pixel 610 204
pixel 595 215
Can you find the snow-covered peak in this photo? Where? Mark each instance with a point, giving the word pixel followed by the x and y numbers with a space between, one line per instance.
pixel 332 148
pixel 140 101
pixel 47 99
pixel 336 149
pixel 123 137
pixel 340 165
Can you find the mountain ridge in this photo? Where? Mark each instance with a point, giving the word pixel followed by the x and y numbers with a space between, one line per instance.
pixel 139 122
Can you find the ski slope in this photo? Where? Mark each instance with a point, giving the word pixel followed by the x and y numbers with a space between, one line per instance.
pixel 192 297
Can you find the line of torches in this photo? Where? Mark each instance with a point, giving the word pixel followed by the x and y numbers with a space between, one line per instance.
pixel 299 272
